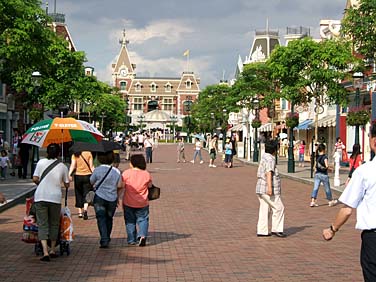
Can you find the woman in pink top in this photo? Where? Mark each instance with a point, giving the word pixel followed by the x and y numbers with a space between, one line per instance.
pixel 135 200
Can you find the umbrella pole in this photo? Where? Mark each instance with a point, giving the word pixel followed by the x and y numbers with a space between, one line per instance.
pixel 62 146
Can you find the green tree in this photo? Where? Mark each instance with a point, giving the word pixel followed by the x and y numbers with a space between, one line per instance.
pixel 358 26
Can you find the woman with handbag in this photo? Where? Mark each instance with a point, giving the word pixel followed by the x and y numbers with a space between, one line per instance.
pixel 107 183
pixel 135 200
pixel 355 161
pixel 81 167
pixel 48 175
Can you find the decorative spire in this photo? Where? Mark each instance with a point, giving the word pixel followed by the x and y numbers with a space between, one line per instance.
pixel 124 42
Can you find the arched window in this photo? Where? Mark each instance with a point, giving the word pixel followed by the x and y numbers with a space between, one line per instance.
pixel 153 87
pixel 123 85
pixel 188 84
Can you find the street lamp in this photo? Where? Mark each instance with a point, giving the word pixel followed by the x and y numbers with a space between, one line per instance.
pixel 358 83
pixel 224 111
pixel 256 108
pixel 36 78
pixel 141 119
pixel 174 119
pixel 212 117
pixel 126 115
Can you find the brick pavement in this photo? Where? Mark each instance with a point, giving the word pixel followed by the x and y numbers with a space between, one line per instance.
pixel 202 229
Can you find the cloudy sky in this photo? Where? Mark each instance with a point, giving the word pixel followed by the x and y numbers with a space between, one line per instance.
pixel 215 31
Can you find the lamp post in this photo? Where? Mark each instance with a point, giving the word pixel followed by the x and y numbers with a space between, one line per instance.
pixel 212 118
pixel 174 119
pixel 358 83
pixel 126 115
pixel 291 161
pixel 224 111
pixel 36 78
pixel 256 104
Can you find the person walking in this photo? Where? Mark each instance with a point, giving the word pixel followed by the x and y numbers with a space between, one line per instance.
pixel 213 150
pixel 268 190
pixel 107 183
pixel 340 148
pixel 180 150
pixel 81 167
pixel 301 150
pixel 149 147
pixel 136 182
pixel 360 194
pixel 321 176
pixel 24 154
pixel 4 163
pixel 355 161
pixel 47 198
pixel 197 152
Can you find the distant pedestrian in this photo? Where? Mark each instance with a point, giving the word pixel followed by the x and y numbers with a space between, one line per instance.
pixel 106 195
pixel 4 163
pixel 321 176
pixel 301 150
pixel 136 182
pixel 180 150
pixel 149 147
pixel 360 194
pixel 197 151
pixel 268 190
pixel 355 161
pixel 213 150
pixel 24 154
pixel 340 148
pixel 228 153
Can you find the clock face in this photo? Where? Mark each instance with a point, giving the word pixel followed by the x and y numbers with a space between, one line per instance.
pixel 124 72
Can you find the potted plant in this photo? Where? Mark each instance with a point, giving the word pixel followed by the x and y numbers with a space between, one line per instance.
pixel 292 120
pixel 358 116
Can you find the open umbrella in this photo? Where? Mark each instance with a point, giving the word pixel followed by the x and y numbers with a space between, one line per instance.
pixel 202 138
pixel 102 146
pixel 60 130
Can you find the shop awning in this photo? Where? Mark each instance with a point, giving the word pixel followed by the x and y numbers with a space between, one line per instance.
pixel 238 127
pixel 328 121
pixel 266 127
pixel 304 125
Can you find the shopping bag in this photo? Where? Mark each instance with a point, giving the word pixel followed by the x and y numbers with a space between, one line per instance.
pixel 66 225
pixel 154 193
pixel 29 227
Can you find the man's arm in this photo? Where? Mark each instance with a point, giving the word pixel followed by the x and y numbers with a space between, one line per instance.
pixel 269 182
pixel 342 216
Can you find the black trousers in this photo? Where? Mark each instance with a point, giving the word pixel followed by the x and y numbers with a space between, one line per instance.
pixel 368 255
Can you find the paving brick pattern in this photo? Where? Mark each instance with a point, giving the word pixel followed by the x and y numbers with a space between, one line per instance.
pixel 201 229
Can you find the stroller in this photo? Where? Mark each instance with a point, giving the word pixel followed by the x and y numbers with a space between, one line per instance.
pixel 30 228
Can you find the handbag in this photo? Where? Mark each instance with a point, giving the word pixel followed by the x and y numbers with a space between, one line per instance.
pixel 154 193
pixel 89 198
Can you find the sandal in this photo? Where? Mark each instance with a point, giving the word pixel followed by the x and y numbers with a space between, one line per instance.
pixel 80 215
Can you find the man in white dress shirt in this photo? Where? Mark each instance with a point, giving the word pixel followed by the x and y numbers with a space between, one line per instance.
pixel 360 194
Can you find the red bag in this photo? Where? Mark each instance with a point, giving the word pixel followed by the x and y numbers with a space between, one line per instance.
pixel 345 157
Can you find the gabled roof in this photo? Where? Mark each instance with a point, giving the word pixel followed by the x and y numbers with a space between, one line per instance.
pixel 123 58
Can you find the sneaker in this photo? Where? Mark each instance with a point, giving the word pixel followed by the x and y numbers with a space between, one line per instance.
pixel 210 165
pixel 214 166
pixel 201 162
pixel 332 203
pixel 142 242
pixel 192 161
pixel 313 204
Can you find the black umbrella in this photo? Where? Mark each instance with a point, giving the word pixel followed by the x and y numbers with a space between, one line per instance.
pixel 102 146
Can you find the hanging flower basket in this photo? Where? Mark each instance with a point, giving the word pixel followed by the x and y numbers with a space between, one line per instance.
pixel 256 123
pixel 292 120
pixel 358 116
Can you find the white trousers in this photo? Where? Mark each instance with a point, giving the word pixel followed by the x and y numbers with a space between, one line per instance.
pixel 270 206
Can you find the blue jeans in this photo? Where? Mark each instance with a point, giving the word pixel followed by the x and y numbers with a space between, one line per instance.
pixel 197 153
pixel 133 216
pixel 149 154
pixel 324 178
pixel 104 211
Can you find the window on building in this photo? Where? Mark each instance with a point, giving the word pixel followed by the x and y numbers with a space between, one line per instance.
pixel 137 103
pixel 187 107
pixel 168 87
pixel 153 87
pixel 284 104
pixel 123 85
pixel 138 87
pixel 168 104
pixel 188 84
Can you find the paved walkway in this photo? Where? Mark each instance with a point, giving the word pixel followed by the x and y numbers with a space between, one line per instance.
pixel 202 229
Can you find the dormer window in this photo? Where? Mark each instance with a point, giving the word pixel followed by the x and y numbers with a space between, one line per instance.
pixel 188 84
pixel 153 87
pixel 138 87
pixel 168 87
pixel 123 85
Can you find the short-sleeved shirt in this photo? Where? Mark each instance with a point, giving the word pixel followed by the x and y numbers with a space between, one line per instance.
pixel 4 161
pixel 180 147
pixel 301 149
pixel 360 193
pixel 228 149
pixel 267 164
pixel 108 188
pixel 49 189
pixel 136 183
pixel 320 164
pixel 198 146
pixel 82 168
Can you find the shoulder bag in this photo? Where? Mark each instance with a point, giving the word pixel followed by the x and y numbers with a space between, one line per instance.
pixel 154 193
pixel 89 198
